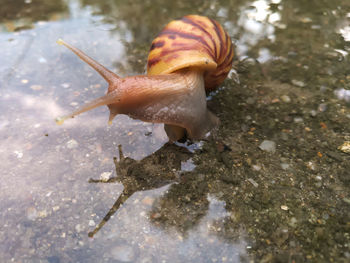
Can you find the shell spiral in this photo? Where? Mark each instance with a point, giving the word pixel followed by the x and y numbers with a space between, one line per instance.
pixel 192 41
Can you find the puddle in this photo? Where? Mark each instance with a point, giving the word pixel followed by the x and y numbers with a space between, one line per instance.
pixel 270 185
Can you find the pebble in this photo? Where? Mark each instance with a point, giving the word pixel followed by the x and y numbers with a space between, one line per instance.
pixel 343 94
pixel 256 167
pixel 92 223
pixel 345 147
pixel 285 98
pixel 298 120
pixel 322 107
pixel 313 113
pixel 71 144
pixel 284 166
pixel 268 146
pixel 123 253
pixel 105 176
pixel 298 83
pixel 284 207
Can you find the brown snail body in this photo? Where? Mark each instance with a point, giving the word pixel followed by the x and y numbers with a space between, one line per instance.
pixel 189 57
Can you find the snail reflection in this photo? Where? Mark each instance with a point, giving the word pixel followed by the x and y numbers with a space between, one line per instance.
pixel 154 171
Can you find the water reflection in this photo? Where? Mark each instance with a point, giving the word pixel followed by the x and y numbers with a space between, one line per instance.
pixel 156 170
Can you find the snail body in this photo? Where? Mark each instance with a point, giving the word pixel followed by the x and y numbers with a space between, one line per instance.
pixel 190 57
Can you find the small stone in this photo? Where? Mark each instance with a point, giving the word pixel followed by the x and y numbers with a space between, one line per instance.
pixel 284 166
pixel 55 208
pixel 345 147
pixel 311 165
pixel 298 120
pixel 298 83
pixel 105 176
pixel 343 94
pixel 284 207
pixel 322 107
pixel 313 113
pixel 92 223
pixel 256 167
pixel 24 81
pixel 123 253
pixel 268 146
pixel 285 98
pixel 71 144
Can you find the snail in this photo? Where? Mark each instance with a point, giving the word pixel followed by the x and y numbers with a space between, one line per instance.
pixel 190 57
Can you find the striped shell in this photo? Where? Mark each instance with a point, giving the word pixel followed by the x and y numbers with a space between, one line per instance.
pixel 192 41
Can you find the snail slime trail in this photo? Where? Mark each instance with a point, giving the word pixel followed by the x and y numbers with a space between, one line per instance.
pixel 189 57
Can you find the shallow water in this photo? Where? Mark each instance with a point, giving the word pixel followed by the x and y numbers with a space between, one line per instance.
pixel 271 185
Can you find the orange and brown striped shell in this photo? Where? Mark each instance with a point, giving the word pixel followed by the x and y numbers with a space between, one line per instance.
pixel 192 41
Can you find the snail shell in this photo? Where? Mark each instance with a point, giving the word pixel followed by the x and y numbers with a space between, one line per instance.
pixel 192 41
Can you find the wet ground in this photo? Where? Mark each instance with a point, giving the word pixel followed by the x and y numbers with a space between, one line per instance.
pixel 272 184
